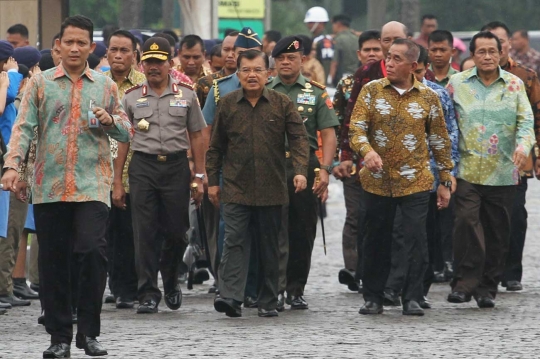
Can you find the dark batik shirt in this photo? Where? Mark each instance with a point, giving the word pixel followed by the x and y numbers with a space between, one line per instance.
pixel 204 85
pixel 248 143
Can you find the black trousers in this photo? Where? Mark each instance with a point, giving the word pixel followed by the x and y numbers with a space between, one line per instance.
pixel 481 237
pixel 245 227
pixel 352 191
pixel 64 228
pixel 121 253
pixel 160 197
pixel 378 243
pixel 302 225
pixel 518 230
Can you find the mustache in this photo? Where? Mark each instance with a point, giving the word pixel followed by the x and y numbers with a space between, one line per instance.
pixel 153 72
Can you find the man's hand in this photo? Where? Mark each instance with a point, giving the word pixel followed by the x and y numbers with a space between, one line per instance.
pixel 454 185
pixel 197 198
pixel 11 64
pixel 300 183
pixel 10 180
pixel 324 179
pixel 324 196
pixel 373 162
pixel 103 116
pixel 4 80
pixel 119 195
pixel 214 194
pixel 22 191
pixel 343 170
pixel 519 159
pixel 443 197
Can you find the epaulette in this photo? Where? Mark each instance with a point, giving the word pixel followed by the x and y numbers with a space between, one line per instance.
pixel 185 84
pixel 132 88
pixel 269 80
pixel 316 84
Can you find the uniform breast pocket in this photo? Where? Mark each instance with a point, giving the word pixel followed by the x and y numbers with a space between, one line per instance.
pixel 142 112
pixel 178 111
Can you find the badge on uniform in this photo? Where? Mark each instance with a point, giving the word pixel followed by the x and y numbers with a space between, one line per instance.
pixel 92 120
pixel 178 103
pixel 143 125
pixel 306 99
pixel 142 102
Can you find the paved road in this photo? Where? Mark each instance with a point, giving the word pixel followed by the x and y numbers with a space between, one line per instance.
pixel 331 328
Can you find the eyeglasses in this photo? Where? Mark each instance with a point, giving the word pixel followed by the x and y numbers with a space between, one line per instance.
pixel 257 71
pixel 483 53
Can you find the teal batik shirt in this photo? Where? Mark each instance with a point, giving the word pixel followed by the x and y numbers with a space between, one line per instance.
pixel 73 161
pixel 493 121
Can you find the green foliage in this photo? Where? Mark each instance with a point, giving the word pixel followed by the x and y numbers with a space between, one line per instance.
pixel 102 12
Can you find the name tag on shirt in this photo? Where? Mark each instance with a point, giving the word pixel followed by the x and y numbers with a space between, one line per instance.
pixel 142 103
pixel 178 103
pixel 306 99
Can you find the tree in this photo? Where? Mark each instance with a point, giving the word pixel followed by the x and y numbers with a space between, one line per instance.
pixel 129 16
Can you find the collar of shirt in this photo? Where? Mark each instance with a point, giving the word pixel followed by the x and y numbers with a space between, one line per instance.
pixel 130 77
pixel 451 71
pixel 240 95
pixel 502 75
pixel 301 80
pixel 416 84
pixel 509 65
pixel 61 72
pixel 168 91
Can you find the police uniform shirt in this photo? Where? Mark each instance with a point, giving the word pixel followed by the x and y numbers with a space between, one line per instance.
pixel 168 117
pixel 224 85
pixel 312 102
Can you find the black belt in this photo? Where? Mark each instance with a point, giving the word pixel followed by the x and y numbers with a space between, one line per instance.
pixel 163 158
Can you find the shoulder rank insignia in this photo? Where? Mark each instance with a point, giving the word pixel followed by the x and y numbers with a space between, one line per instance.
pixel 133 88
pixel 316 84
pixel 186 85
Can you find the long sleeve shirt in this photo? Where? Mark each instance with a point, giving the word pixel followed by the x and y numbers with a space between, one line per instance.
pixel 399 128
pixel 248 143
pixel 494 121
pixel 73 162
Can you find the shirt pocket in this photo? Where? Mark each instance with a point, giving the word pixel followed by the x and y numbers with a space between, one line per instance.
pixel 143 113
pixel 178 111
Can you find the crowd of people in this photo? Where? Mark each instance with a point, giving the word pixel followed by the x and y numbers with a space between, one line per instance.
pixel 141 155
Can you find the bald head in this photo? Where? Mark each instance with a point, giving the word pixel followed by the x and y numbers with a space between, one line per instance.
pixel 391 31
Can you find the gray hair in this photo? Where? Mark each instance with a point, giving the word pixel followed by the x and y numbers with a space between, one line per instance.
pixel 413 51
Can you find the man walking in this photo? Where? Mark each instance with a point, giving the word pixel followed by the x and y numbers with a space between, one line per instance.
pixel 391 121
pixel 496 124
pixel 248 144
pixel 75 110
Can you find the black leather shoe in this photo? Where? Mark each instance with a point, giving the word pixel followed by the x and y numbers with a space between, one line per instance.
pixel 22 290
pixel 173 300
pixel 298 302
pixel 485 302
pixel 439 277
pixel 14 301
pixel 459 297
pixel 263 313
pixel 250 302
pixel 5 305
pixel 280 307
pixel 424 303
pixel 213 288
pixel 346 277
pixel 391 298
pixel 412 307
pixel 230 307
pixel 200 276
pixel 90 345
pixel 148 306
pixel 60 350
pixel 41 320
pixel 122 303
pixel 110 299
pixel 34 287
pixel 513 286
pixel 371 308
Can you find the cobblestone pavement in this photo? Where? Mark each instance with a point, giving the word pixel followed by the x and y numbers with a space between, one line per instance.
pixel 331 328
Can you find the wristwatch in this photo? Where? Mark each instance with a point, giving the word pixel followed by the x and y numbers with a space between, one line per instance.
pixel 327 168
pixel 447 184
pixel 200 176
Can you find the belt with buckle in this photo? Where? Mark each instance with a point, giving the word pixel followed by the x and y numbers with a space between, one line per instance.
pixel 287 154
pixel 163 158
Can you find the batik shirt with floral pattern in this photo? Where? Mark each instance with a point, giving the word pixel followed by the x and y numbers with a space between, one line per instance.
pixel 399 129
pixel 494 121
pixel 451 127
pixel 73 162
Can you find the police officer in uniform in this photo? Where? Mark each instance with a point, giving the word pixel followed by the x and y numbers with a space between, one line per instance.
pixel 299 222
pixel 167 118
